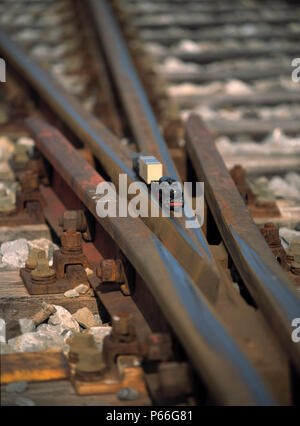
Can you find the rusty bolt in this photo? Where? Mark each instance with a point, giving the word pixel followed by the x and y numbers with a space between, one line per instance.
pixel 44 313
pixel 271 234
pixel 42 269
pixel 73 220
pixel 90 365
pixel 29 181
pixel 110 270
pixel 123 328
pixel 158 347
pixel 20 156
pixel 6 202
pixel 79 343
pixel 71 242
pixel 32 259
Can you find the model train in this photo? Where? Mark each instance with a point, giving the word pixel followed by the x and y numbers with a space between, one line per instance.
pixel 150 170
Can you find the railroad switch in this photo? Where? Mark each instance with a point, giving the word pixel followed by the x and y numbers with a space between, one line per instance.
pixel 29 203
pixel 69 262
pixel 271 234
pixel 262 205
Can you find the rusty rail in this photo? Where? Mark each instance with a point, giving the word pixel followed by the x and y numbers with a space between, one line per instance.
pixel 224 369
pixel 265 279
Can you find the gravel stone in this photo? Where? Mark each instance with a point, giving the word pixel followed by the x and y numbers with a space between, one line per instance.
pixel 71 293
pixel 28 142
pixel 128 394
pixel 64 318
pixel 97 319
pixel 6 172
pixel 16 387
pixel 5 349
pixel 2 331
pixel 35 342
pixel 287 235
pixel 89 271
pixel 99 333
pixel 85 318
pixel 14 253
pixel 26 325
pixel 24 402
pixel 6 148
pixel 82 289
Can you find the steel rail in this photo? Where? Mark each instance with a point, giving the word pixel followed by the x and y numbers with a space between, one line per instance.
pixel 142 120
pixel 224 369
pixel 265 279
pixel 191 252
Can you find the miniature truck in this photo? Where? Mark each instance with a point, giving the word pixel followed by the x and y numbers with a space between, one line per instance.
pixel 149 169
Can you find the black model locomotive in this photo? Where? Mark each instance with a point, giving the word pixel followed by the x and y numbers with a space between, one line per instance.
pixel 150 170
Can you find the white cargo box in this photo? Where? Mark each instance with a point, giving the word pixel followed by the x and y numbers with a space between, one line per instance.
pixel 150 168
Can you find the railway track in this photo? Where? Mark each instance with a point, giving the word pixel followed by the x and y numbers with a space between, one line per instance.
pixel 180 332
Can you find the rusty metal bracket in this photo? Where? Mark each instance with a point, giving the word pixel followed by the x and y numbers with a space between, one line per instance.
pixel 69 264
pixel 111 271
pixel 127 374
pixel 90 373
pixel 122 340
pixel 75 220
